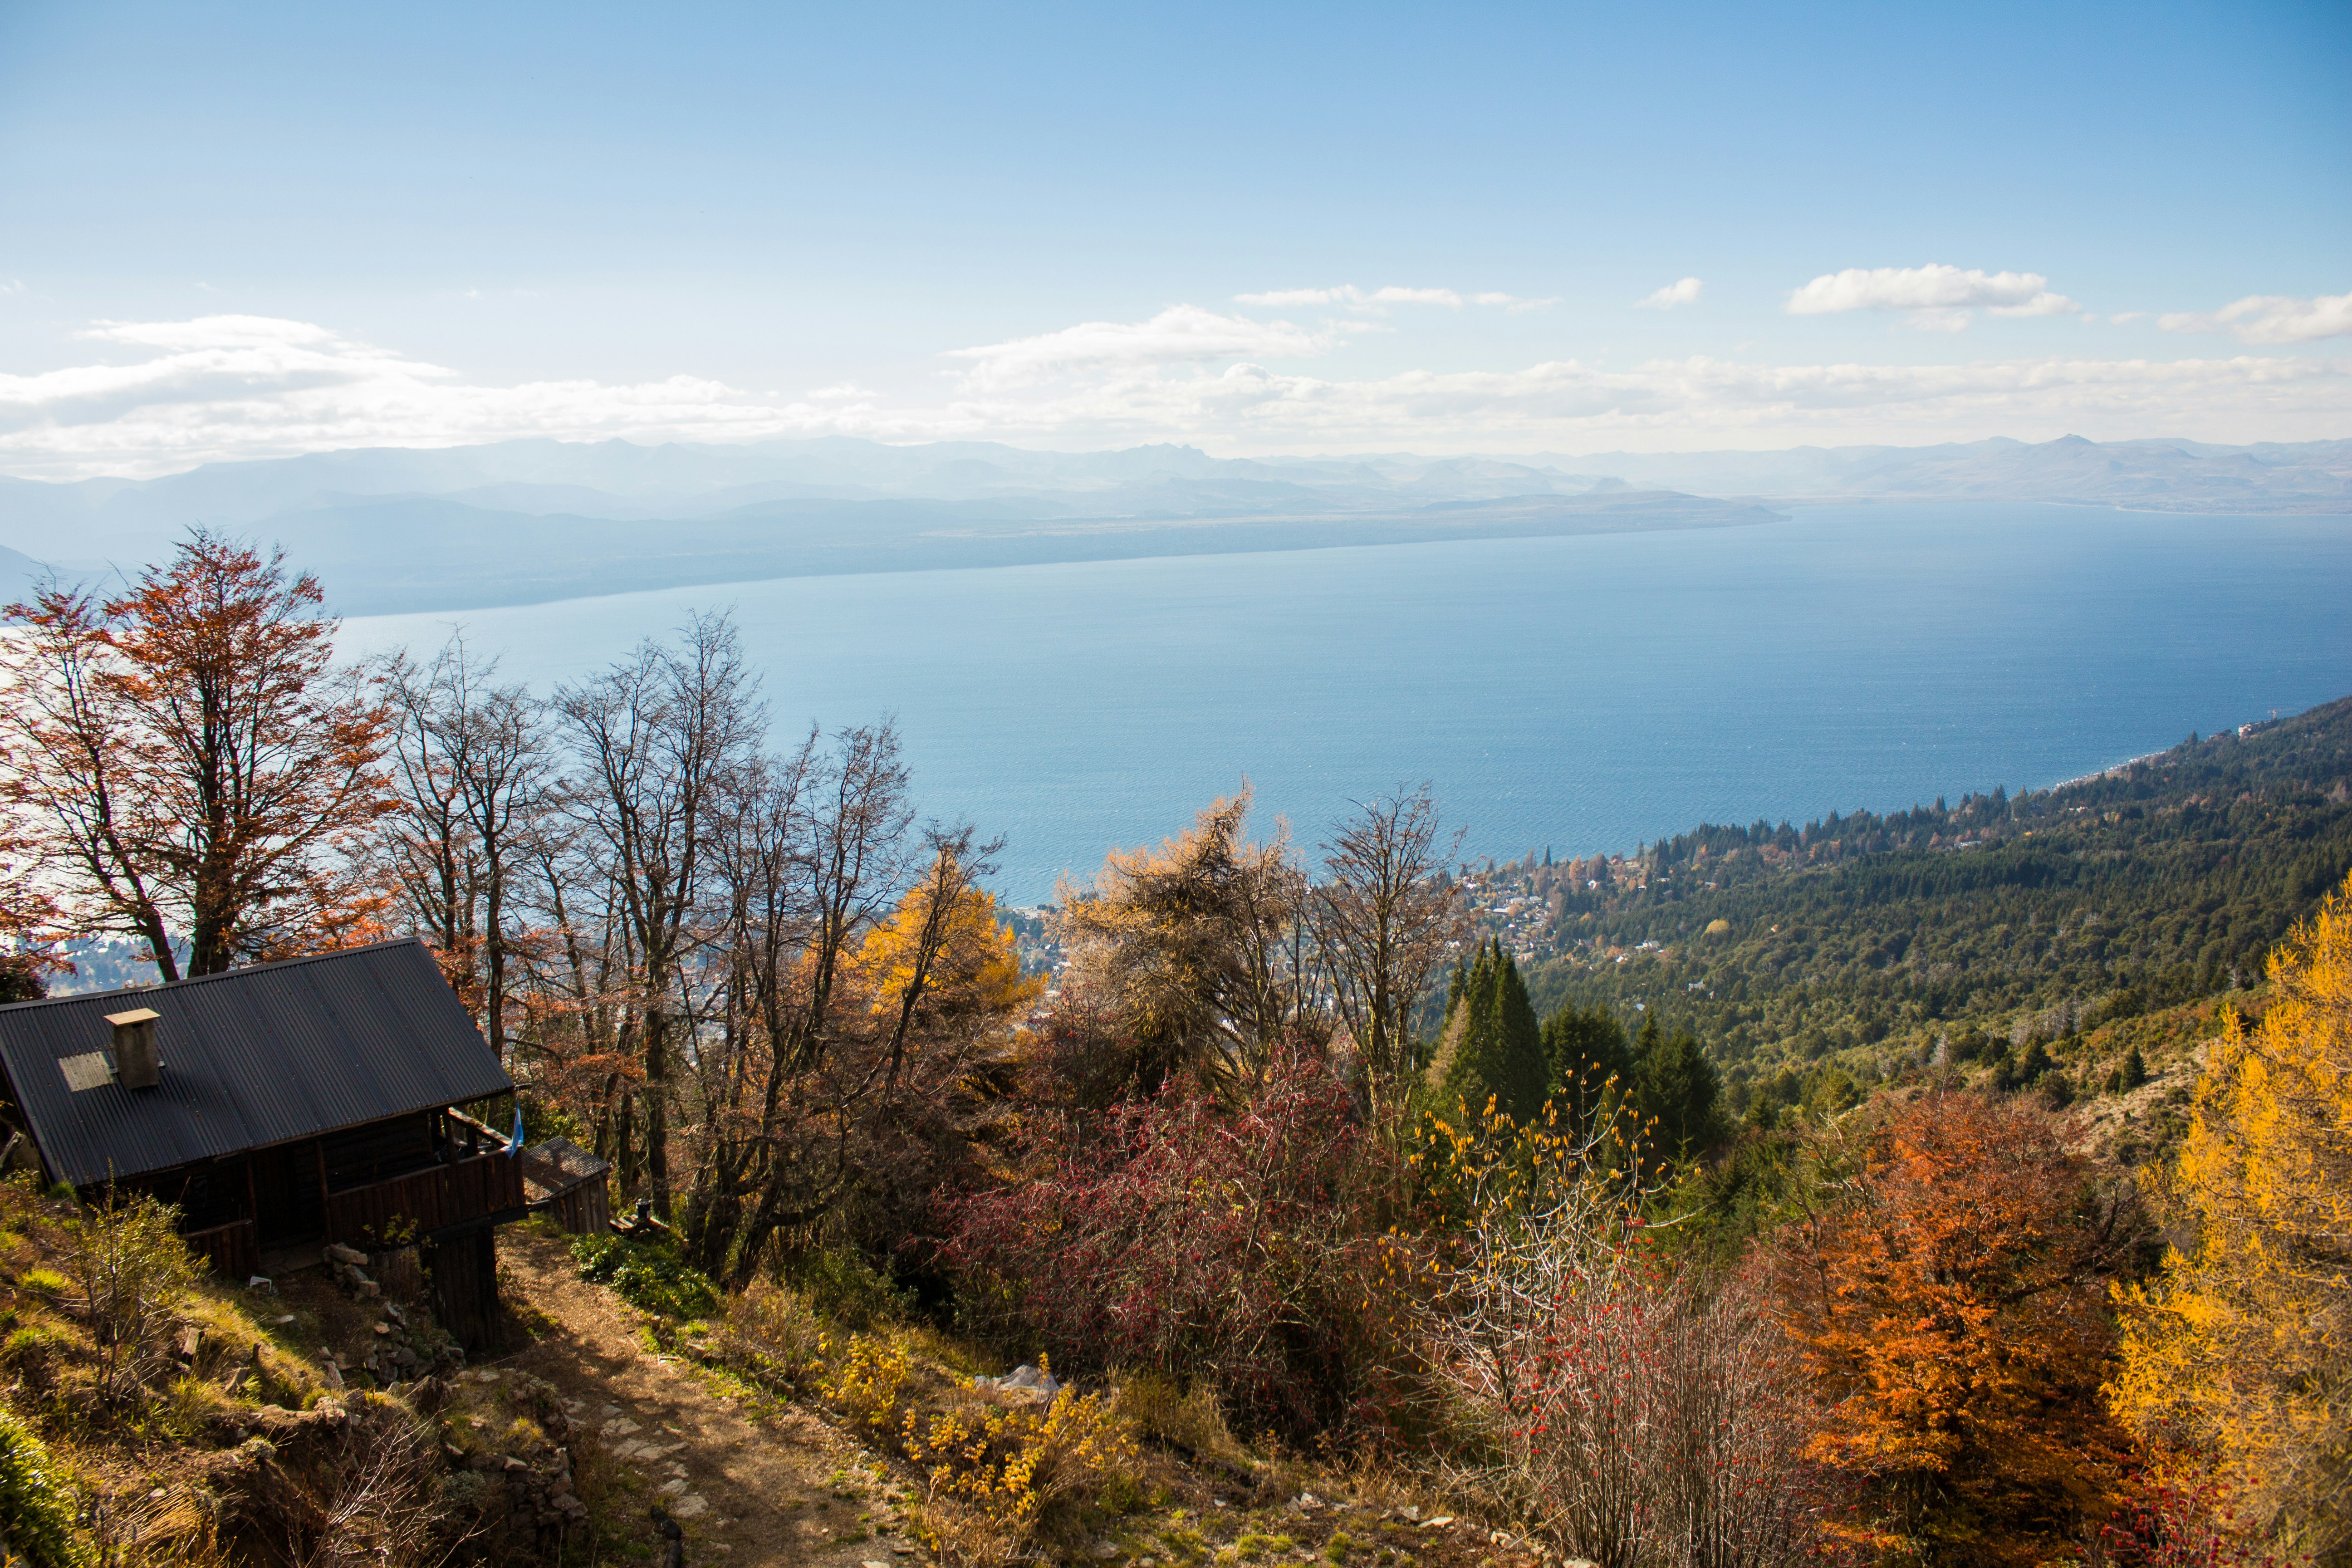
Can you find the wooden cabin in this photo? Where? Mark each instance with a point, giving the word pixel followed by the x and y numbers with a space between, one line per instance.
pixel 567 1184
pixel 282 1107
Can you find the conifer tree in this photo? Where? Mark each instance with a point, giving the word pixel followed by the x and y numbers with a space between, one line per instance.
pixel 2241 1349
pixel 1497 1045
pixel 1589 1065
pixel 1679 1088
pixel 1522 1074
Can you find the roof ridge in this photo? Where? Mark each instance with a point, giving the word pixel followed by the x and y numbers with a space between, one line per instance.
pixel 180 984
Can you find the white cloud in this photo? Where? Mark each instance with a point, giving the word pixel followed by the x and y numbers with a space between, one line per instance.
pixel 229 387
pixel 224 387
pixel 1178 335
pixel 1702 401
pixel 1377 302
pixel 1355 299
pixel 1514 303
pixel 2272 319
pixel 1936 298
pixel 1685 292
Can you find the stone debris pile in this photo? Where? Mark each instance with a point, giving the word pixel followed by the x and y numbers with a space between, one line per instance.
pixel 1022 1381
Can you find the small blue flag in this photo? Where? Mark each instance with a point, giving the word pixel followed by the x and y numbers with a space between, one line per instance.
pixel 514 1145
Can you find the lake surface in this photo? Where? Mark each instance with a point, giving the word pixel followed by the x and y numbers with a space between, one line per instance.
pixel 1582 693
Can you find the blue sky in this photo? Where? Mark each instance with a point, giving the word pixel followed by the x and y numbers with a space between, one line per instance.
pixel 239 230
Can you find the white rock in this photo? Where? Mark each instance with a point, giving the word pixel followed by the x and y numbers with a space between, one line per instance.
pixel 672 1489
pixel 689 1505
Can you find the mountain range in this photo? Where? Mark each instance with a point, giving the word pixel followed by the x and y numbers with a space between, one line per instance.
pixel 520 522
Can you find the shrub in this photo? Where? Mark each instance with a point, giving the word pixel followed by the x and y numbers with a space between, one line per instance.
pixel 649 1276
pixel 1022 1465
pixel 131 1271
pixel 1190 1422
pixel 1639 1415
pixel 1200 1242
pixel 868 1382
pixel 36 1504
pixel 844 1287
pixel 42 1282
pixel 771 1335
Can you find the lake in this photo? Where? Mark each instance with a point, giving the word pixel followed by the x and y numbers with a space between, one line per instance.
pixel 1582 693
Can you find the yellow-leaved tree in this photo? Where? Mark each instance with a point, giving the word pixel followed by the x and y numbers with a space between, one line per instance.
pixel 2241 1351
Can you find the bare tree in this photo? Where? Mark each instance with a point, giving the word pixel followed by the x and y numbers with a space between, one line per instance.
pixel 430 855
pixel 659 737
pixel 1385 921
pixel 818 856
pixel 470 766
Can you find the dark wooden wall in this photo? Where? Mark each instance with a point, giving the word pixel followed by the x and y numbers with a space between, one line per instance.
pixel 464 1270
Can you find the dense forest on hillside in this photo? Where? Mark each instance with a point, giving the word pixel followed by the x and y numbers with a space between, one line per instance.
pixel 2147 886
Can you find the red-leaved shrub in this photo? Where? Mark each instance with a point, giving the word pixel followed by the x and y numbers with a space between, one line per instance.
pixel 1198 1240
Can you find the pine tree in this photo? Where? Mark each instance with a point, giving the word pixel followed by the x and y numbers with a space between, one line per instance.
pixel 2135 1070
pixel 1497 1045
pixel 1679 1088
pixel 1590 1063
pixel 1522 1075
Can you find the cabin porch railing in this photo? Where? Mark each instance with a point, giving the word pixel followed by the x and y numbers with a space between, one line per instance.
pixel 385 1213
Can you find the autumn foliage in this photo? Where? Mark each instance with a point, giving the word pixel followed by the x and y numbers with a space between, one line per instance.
pixel 1950 1299
pixel 1200 1241
pixel 1635 1410
pixel 2240 1353
pixel 187 764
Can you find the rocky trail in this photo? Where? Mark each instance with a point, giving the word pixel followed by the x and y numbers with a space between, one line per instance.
pixel 777 1486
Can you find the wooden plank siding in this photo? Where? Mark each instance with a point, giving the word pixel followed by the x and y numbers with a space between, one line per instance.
pixel 583 1210
pixel 389 1213
pixel 231 1251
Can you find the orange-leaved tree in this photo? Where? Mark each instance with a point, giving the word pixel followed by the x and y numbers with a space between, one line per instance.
pixel 1197 949
pixel 189 764
pixel 2240 1353
pixel 1950 1298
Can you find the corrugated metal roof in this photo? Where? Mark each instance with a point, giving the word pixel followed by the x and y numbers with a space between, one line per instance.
pixel 251 1057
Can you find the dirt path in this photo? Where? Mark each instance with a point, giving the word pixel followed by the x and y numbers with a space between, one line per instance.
pixel 782 1490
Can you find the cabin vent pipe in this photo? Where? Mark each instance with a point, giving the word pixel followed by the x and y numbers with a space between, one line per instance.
pixel 135 1065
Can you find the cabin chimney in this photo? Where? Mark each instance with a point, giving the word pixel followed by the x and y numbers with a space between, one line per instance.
pixel 135 1066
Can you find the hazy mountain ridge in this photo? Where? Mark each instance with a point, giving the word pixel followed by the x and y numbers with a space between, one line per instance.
pixel 525 521
pixel 411 553
pixel 2151 475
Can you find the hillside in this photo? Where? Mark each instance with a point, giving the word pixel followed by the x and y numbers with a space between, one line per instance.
pixel 2146 887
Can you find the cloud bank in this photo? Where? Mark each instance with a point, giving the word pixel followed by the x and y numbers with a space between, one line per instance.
pixel 1377 302
pixel 1935 297
pixel 176 393
pixel 2272 319
pixel 1180 334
